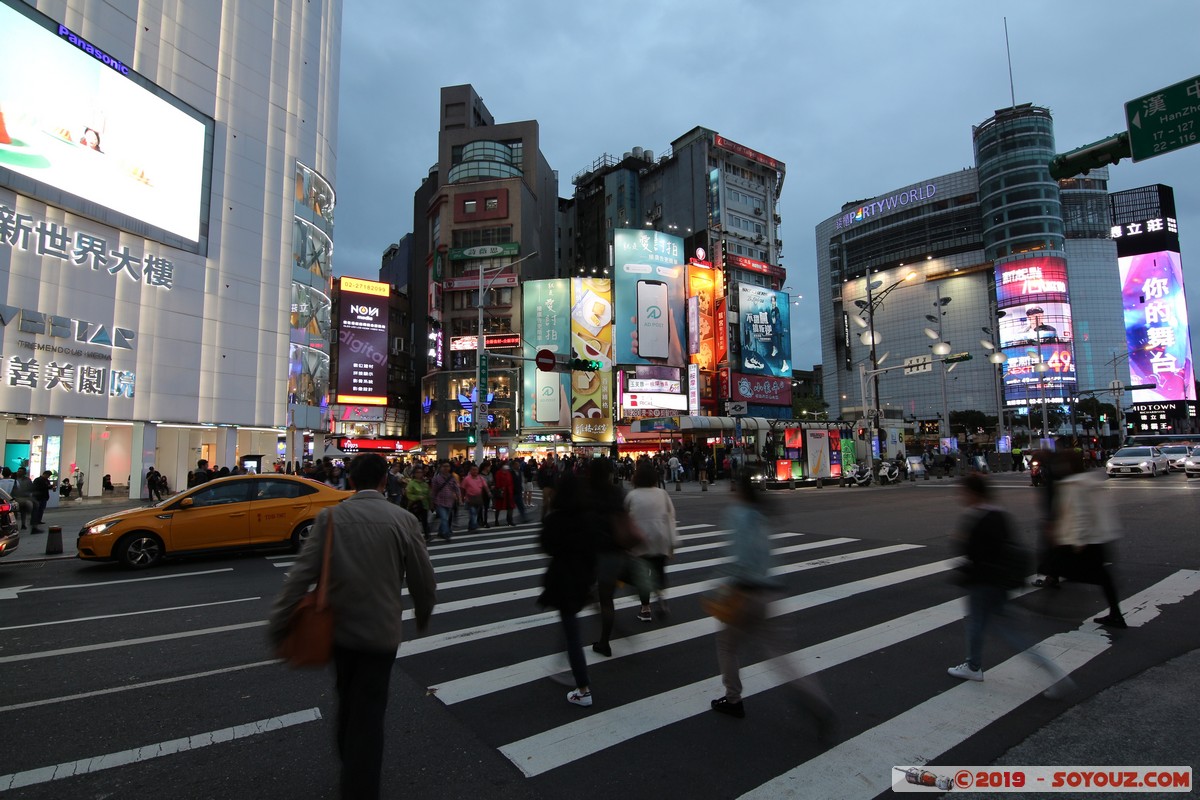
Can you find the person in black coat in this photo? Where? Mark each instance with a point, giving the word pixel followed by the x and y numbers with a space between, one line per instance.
pixel 569 537
pixel 41 496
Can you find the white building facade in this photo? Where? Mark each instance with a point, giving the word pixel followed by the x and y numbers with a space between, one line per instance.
pixel 158 219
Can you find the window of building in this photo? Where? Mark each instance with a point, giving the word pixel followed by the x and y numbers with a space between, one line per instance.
pixel 469 206
pixel 474 237
pixel 491 204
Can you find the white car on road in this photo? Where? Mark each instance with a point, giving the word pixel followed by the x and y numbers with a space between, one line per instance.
pixel 1175 454
pixel 1191 464
pixel 1138 461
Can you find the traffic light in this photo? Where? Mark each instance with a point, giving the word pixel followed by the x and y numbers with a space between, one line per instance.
pixel 862 432
pixel 586 365
pixel 1089 157
pixel 954 359
pixel 471 437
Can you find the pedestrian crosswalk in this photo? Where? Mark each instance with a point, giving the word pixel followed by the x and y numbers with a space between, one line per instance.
pixel 871 619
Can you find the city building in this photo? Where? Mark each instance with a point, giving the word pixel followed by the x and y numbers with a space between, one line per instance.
pixel 1157 346
pixel 485 218
pixel 165 236
pixel 998 262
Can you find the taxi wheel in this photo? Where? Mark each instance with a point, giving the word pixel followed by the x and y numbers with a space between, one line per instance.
pixel 139 550
pixel 300 535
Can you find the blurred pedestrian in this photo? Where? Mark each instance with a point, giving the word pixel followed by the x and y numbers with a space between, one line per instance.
pixel 750 579
pixel 614 537
pixel 652 511
pixel 475 493
pixel 569 536
pixel 376 548
pixel 993 565
pixel 417 499
pixel 42 486
pixel 445 491
pixel 22 495
pixel 1085 528
pixel 503 494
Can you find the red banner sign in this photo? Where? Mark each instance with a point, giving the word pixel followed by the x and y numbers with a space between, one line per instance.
pixel 742 150
pixel 761 389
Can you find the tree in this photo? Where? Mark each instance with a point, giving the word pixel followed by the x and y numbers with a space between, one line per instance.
pixel 810 406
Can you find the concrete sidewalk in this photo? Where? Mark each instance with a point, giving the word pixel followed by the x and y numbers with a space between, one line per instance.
pixel 71 516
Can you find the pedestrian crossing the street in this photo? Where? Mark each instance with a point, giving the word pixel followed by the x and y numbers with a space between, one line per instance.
pixel 861 613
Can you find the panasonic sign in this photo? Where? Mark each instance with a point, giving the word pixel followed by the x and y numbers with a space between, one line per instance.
pixel 91 49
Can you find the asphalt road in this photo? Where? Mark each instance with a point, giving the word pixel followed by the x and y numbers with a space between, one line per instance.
pixel 158 684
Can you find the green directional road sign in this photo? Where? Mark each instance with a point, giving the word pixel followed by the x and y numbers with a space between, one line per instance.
pixel 1165 120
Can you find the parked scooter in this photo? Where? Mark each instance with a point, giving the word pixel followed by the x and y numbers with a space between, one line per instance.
pixel 861 476
pixel 889 472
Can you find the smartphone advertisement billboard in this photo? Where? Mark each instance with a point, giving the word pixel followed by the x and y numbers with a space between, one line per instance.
pixel 650 285
pixel 80 130
pixel 547 326
pixel 1156 327
pixel 1036 330
pixel 592 338
pixel 362 342
pixel 766 343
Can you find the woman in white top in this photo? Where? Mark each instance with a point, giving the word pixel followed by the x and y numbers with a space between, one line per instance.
pixel 653 512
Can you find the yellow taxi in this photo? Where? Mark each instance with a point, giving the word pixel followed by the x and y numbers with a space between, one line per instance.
pixel 234 513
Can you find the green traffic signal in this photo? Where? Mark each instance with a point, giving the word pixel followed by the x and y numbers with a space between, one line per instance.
pixel 586 365
pixel 954 359
pixel 471 438
pixel 1093 156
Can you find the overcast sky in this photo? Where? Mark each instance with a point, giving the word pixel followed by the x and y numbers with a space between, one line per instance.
pixel 857 98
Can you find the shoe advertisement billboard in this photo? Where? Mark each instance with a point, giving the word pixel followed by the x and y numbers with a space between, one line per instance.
pixel 766 346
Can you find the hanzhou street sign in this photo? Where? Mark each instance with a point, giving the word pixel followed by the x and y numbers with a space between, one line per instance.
pixel 1166 120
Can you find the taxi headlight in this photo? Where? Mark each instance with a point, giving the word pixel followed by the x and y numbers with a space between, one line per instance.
pixel 101 527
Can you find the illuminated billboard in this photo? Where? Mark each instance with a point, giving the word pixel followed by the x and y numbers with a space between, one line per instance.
pixel 703 289
pixel 592 338
pixel 81 131
pixel 1156 327
pixel 1036 331
pixel 362 342
pixel 766 344
pixel 650 284
pixel 546 326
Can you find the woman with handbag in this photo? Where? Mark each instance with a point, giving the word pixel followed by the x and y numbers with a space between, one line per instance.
pixel 653 512
pixel 753 586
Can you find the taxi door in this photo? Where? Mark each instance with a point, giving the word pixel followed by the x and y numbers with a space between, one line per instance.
pixel 219 516
pixel 277 507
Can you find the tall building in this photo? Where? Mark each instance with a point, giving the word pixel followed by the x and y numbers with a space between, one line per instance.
pixel 490 210
pixel 1157 350
pixel 166 210
pixel 998 258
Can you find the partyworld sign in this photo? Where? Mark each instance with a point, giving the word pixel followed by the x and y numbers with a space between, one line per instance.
pixel 883 205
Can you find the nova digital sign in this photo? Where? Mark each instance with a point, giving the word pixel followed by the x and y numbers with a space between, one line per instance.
pixel 1156 327
pixel 1036 331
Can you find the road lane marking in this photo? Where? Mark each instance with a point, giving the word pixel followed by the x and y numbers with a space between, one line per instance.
pixel 137 686
pixel 712 562
pixel 123 758
pixel 923 732
pixel 12 592
pixel 437 641
pixel 165 637
pixel 506 677
pixel 128 614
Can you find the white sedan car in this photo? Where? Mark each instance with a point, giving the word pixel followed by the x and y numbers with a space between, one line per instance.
pixel 1175 454
pixel 1138 461
pixel 1191 464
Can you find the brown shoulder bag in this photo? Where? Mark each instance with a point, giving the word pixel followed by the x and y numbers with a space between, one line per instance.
pixel 309 638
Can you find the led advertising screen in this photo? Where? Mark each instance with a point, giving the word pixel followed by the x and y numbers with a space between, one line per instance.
pixel 1156 327
pixel 547 326
pixel 363 342
pixel 1036 328
pixel 650 284
pixel 591 338
pixel 702 338
pixel 765 325
pixel 75 120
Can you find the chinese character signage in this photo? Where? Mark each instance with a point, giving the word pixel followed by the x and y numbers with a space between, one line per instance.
pixel 1036 330
pixel 591 338
pixel 1156 327
pixel 761 389
pixel 87 135
pixel 546 326
pixel 650 283
pixel 363 342
pixel 764 324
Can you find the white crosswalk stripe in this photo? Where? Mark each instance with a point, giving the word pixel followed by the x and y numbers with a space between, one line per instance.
pixel 496 677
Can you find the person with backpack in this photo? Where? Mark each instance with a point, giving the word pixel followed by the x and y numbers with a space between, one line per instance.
pixel 994 564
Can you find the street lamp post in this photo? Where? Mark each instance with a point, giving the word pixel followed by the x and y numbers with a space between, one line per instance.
pixel 941 348
pixel 872 338
pixel 480 405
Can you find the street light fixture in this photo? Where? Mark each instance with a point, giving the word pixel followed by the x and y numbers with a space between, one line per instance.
pixel 872 338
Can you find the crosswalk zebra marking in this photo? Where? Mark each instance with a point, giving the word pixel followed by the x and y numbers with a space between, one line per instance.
pixel 511 675
pixel 923 732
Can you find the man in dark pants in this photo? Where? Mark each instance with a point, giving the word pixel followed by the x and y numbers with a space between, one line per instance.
pixel 376 546
pixel 41 496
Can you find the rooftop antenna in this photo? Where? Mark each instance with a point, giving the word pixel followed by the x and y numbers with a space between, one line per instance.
pixel 1012 91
